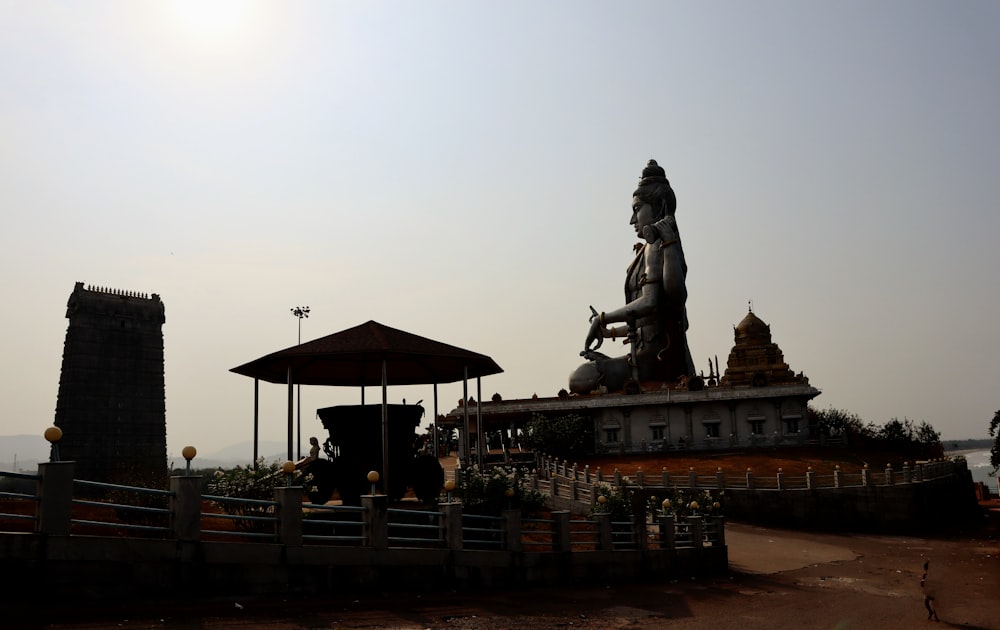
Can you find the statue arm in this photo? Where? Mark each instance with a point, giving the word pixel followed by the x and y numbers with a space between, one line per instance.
pixel 674 286
pixel 651 294
pixel 664 285
pixel 663 235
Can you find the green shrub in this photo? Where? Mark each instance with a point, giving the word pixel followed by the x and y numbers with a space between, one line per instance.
pixel 565 437
pixel 487 494
pixel 252 483
pixel 139 477
pixel 680 503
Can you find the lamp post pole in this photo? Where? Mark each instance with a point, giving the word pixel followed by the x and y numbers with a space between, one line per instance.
pixel 300 312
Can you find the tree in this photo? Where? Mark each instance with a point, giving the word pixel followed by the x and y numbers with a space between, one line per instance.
pixel 995 434
pixel 927 435
pixel 917 440
pixel 564 436
pixel 897 431
pixel 833 422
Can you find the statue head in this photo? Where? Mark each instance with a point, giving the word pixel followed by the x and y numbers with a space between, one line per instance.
pixel 655 190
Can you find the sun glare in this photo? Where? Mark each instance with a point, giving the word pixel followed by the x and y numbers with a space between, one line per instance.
pixel 211 22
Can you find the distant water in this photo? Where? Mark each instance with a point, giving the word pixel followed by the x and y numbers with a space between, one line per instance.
pixel 979 466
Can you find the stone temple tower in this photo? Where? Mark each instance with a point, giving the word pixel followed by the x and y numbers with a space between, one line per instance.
pixel 755 360
pixel 111 405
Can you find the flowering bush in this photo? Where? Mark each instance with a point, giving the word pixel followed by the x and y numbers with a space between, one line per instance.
pixel 617 500
pixel 503 487
pixel 679 502
pixel 252 483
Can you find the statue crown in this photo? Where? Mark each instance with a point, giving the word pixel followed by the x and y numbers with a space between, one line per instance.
pixel 653 173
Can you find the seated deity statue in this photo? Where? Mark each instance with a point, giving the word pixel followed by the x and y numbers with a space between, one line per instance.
pixel 653 322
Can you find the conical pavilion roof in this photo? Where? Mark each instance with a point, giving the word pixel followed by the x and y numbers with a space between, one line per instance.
pixel 354 357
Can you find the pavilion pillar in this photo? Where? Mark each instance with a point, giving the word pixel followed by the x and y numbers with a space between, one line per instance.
pixel 291 421
pixel 385 429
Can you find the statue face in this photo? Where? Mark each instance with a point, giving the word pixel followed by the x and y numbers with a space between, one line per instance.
pixel 643 214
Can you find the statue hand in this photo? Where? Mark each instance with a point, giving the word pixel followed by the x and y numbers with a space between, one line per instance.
pixel 665 229
pixel 596 335
pixel 593 355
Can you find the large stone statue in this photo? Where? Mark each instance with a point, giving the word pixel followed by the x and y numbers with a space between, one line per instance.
pixel 654 317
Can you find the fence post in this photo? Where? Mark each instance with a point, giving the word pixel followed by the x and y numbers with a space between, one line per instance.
pixel 809 478
pixel 586 473
pixel 573 489
pixel 720 479
pixel 692 478
pixel 560 531
pixel 667 532
pixel 639 528
pixel 55 498
pixel 618 478
pixel 640 477
pixel 666 477
pixel 890 475
pixel 749 479
pixel 920 472
pixel 376 515
pixel 604 540
pixel 907 473
pixel 697 538
pixel 185 507
pixel 864 475
pixel 289 515
pixel 451 522
pixel 720 527
pixel 600 476
pixel 781 479
pixel 512 529
pixel 836 477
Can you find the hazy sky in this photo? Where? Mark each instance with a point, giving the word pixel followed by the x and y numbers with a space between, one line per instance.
pixel 463 170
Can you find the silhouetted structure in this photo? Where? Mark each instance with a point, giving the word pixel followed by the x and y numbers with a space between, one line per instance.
pixel 355 444
pixel 111 396
pixel 755 360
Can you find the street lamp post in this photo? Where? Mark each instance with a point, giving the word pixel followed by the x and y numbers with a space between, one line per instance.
pixel 300 312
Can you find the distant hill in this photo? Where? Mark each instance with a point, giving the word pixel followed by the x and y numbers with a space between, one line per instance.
pixel 24 452
pixel 966 445
pixel 237 454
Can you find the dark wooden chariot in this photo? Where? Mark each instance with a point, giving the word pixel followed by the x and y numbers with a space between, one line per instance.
pixel 354 449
